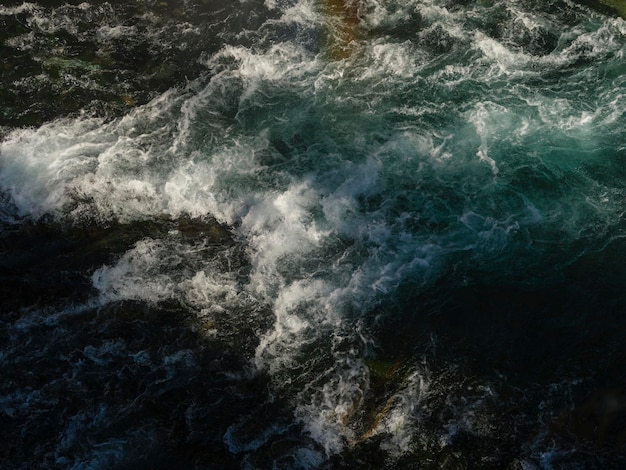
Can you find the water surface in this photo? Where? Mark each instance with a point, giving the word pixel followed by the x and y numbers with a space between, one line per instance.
pixel 284 234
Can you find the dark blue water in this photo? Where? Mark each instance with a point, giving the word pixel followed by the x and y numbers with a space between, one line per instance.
pixel 293 234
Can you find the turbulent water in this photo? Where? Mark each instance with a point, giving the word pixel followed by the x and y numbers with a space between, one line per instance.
pixel 292 234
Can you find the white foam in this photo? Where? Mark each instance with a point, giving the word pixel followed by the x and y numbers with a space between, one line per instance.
pixel 97 169
pixel 136 276
pixel 491 120
pixel 37 164
pixel 500 54
pixel 327 240
pixel 327 410
pixel 170 268
pixel 16 10
pixel 287 63
pixel 399 421
pixel 303 13
pixel 401 60
pixel 107 32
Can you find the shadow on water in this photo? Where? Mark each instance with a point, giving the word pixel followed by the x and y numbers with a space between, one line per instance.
pixel 47 261
pixel 125 384
pixel 539 364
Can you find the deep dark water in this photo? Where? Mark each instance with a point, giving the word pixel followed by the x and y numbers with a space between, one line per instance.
pixel 520 338
pixel 132 373
pixel 311 315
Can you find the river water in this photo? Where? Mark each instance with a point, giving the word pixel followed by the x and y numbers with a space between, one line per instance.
pixel 289 234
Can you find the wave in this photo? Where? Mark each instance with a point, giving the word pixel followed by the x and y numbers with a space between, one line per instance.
pixel 449 143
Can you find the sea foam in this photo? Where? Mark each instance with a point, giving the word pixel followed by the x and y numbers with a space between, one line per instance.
pixel 349 183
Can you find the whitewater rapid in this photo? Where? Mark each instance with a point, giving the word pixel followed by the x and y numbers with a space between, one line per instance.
pixel 456 143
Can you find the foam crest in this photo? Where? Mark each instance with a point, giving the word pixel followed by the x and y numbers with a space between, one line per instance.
pixel 400 60
pixel 14 10
pixel 303 13
pixel 137 276
pixel 497 52
pixel 284 62
pixel 37 165
pixel 88 168
pixel 599 42
pixel 161 269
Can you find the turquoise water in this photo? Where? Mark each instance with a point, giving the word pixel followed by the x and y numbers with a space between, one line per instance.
pixel 408 254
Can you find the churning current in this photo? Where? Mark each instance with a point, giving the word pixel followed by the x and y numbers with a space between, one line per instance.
pixel 313 234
